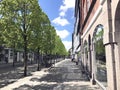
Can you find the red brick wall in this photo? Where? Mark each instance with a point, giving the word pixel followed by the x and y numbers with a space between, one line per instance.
pixel 84 2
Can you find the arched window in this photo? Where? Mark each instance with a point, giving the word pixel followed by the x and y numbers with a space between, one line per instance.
pixel 101 72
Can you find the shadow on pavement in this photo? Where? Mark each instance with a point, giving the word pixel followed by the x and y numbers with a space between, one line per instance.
pixel 60 78
pixel 13 75
pixel 54 87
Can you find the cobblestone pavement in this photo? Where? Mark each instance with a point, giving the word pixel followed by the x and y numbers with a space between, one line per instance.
pixel 65 75
pixel 10 74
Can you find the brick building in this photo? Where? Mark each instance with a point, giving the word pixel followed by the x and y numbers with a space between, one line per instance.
pixel 97 33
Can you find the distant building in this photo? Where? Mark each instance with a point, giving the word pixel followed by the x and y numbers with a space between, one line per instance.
pixel 7 55
pixel 76 36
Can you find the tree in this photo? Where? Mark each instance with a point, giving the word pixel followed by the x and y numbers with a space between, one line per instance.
pixel 59 46
pixel 38 31
pixel 9 35
pixel 23 25
pixel 19 12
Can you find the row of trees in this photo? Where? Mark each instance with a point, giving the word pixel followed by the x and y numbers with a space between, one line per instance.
pixel 24 26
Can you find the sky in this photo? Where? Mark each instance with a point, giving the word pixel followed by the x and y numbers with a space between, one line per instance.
pixel 61 15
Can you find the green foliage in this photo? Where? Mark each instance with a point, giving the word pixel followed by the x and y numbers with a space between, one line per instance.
pixel 99 47
pixel 24 24
pixel 100 50
pixel 59 47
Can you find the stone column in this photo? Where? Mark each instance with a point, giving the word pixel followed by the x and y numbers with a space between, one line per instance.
pixel 89 62
pixel 85 59
pixel 82 52
pixel 111 70
pixel 117 60
pixel 117 57
pixel 93 64
pixel 18 56
pixel 82 57
pixel 109 49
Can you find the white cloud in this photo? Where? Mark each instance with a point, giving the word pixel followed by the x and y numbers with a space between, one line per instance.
pixel 62 14
pixel 62 33
pixel 67 4
pixel 68 44
pixel 60 21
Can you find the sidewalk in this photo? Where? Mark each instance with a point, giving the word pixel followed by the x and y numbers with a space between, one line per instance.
pixel 64 76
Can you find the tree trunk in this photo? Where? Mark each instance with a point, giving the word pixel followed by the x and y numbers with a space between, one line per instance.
pixel 25 40
pixel 25 55
pixel 13 54
pixel 38 68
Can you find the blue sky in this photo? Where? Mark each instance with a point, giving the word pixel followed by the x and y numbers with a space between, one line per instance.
pixel 61 15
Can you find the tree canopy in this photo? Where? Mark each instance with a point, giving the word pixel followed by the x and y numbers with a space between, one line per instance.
pixel 24 26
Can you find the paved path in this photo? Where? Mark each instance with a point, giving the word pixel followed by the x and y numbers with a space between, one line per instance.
pixel 64 76
pixel 9 74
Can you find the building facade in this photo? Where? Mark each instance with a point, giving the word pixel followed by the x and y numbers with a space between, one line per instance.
pixel 98 28
pixel 76 35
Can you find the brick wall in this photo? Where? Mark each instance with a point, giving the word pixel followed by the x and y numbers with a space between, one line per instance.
pixel 87 12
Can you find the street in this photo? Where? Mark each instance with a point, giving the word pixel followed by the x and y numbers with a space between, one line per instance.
pixel 65 75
